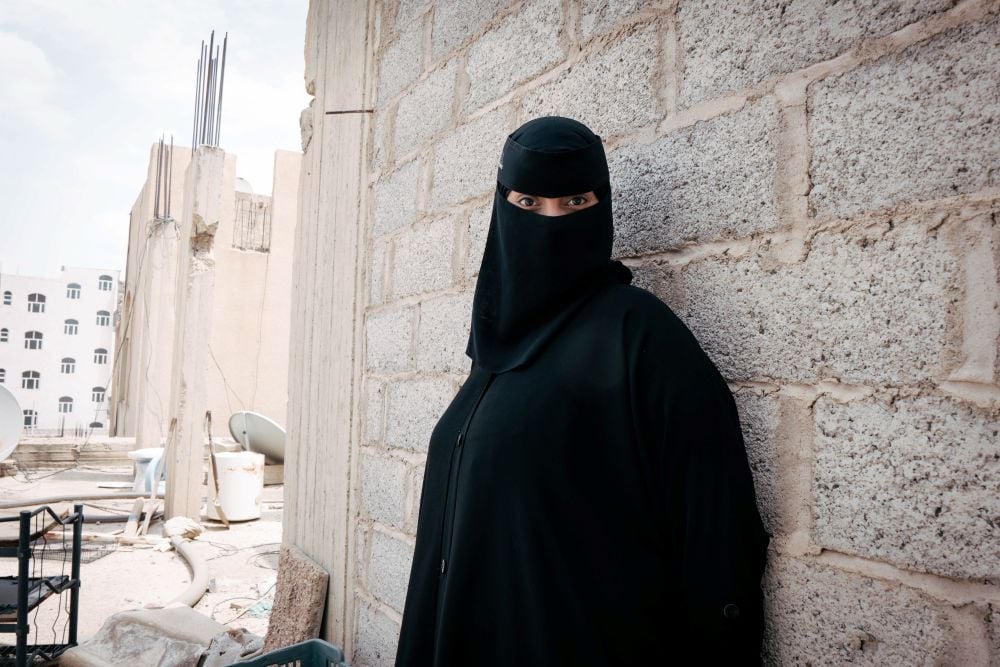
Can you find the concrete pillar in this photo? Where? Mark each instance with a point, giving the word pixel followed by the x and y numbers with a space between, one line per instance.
pixel 325 362
pixel 203 189
pixel 154 331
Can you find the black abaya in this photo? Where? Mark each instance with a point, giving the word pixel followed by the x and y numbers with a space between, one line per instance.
pixel 587 497
pixel 604 508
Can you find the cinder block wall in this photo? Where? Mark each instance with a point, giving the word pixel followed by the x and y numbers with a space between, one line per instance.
pixel 812 187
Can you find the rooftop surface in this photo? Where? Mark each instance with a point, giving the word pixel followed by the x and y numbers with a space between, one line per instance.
pixel 242 559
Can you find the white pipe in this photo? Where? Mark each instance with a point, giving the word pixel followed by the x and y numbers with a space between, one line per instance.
pixel 48 500
pixel 199 573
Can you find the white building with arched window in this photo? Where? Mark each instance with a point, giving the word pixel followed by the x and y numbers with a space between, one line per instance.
pixel 58 350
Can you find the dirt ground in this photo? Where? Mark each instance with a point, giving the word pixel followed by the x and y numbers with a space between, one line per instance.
pixel 242 560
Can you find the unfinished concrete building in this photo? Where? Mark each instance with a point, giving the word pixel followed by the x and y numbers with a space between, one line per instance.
pixel 812 187
pixel 244 332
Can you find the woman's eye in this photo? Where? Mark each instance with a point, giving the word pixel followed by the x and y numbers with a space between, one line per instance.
pixel 577 201
pixel 526 202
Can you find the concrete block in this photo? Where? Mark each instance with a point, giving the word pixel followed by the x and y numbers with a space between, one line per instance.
pixel 361 531
pixel 423 258
pixel 917 125
pixel 613 91
pixel 388 340
pixel 418 489
pixel 862 309
pixel 389 570
pixel 376 272
pixel 274 474
pixel 383 489
pixel 479 227
pixel 913 483
pixel 443 333
pixel 401 62
pixel 413 408
pixel 465 163
pixel 374 409
pixel 991 615
pixel 523 45
pixel 712 180
pixel 822 616
pixel 376 636
pixel 396 198
pixel 408 12
pixel 380 139
pixel 727 46
pixel 457 20
pixel 426 109
pixel 759 417
pixel 299 600
pixel 596 16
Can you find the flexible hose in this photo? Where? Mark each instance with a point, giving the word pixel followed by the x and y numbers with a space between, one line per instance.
pixel 199 573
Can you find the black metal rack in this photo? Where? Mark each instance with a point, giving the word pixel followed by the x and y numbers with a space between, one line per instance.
pixel 20 595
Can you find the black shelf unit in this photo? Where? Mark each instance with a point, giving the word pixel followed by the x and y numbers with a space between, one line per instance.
pixel 20 595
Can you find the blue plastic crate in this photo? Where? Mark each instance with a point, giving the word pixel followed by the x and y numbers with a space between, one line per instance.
pixel 312 653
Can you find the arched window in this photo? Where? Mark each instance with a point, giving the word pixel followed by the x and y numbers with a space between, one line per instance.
pixel 97 394
pixel 33 340
pixel 73 291
pixel 36 303
pixel 7 298
pixel 30 379
pixel 3 335
pixel 3 375
pixel 71 327
pixel 96 425
pixel 30 419
pixel 104 283
pixel 68 365
pixel 65 404
pixel 100 356
pixel 103 318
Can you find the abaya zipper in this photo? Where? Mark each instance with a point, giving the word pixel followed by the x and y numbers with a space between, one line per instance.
pixel 451 497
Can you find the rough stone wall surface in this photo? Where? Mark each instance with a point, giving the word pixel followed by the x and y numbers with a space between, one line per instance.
pixel 812 187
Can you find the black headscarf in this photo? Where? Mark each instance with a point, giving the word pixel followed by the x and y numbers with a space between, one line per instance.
pixel 538 270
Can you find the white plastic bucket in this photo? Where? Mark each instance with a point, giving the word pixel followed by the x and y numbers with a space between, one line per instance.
pixel 241 485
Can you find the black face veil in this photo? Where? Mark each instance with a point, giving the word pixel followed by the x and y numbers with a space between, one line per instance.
pixel 538 270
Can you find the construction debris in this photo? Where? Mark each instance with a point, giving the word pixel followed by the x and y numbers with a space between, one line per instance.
pixel 173 636
pixel 181 526
pixel 232 646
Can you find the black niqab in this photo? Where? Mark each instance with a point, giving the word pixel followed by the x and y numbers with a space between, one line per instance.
pixel 538 270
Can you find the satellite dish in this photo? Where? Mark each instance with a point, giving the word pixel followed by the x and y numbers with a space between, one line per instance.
pixel 257 433
pixel 11 422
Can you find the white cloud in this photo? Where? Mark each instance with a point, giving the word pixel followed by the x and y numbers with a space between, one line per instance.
pixel 30 82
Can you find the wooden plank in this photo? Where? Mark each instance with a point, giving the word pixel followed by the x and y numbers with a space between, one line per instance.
pixel 10 530
pixel 149 508
pixel 132 525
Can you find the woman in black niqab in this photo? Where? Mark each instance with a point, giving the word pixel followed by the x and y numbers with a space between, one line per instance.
pixel 586 496
pixel 536 269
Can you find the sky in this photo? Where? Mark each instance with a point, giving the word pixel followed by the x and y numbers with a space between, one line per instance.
pixel 86 87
